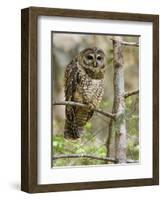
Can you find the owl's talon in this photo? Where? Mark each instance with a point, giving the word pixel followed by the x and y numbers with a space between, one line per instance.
pixel 91 106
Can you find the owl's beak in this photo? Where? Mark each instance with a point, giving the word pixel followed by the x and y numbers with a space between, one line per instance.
pixel 95 64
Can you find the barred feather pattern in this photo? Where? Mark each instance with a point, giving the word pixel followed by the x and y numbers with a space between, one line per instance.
pixel 80 87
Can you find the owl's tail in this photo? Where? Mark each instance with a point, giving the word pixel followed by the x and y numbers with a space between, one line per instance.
pixel 72 131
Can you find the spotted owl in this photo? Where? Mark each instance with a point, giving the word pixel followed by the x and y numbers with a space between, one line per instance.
pixel 84 83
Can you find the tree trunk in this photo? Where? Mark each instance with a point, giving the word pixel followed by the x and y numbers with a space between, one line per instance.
pixel 117 143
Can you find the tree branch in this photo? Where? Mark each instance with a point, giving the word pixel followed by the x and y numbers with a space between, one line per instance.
pixel 130 44
pixel 128 94
pixel 91 157
pixel 72 103
pixel 127 43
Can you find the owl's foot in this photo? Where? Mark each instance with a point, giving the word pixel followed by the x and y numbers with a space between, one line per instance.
pixel 91 106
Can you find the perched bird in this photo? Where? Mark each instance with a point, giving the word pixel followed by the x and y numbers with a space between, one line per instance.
pixel 84 83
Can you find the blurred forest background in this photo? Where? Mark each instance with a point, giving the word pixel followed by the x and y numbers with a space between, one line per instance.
pixel 64 47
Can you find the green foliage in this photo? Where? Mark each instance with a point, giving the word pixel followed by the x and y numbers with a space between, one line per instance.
pixel 132 123
pixel 90 144
pixel 87 144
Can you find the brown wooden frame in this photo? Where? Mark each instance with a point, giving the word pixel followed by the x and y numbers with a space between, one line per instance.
pixel 29 99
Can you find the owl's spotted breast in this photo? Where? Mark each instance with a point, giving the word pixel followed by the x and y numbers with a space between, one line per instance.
pixel 92 91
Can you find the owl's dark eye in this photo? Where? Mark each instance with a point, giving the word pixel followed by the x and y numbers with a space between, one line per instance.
pixel 99 58
pixel 89 57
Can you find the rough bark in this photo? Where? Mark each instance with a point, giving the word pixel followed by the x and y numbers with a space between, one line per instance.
pixel 117 143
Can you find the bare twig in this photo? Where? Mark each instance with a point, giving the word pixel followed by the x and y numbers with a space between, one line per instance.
pixel 91 157
pixel 83 156
pixel 127 43
pixel 128 94
pixel 130 44
pixel 72 103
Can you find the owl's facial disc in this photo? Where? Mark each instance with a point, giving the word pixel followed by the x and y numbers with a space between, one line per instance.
pixel 99 61
pixel 93 61
pixel 89 59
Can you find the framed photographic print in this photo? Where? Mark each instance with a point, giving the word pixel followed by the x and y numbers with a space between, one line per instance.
pixel 90 99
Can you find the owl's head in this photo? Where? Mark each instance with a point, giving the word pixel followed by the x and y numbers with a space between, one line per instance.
pixel 93 61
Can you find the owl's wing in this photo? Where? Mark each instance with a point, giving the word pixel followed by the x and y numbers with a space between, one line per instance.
pixel 71 80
